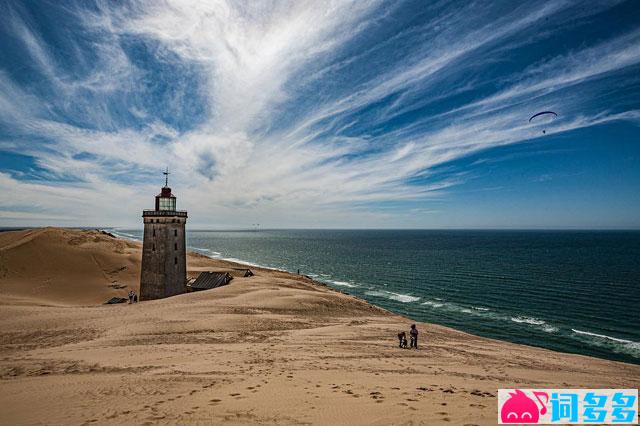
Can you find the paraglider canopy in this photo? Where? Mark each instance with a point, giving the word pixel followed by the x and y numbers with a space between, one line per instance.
pixel 538 114
pixel 547 115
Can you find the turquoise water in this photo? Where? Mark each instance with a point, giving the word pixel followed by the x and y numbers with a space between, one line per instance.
pixel 572 291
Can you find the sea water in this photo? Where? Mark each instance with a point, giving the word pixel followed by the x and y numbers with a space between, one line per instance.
pixel 572 291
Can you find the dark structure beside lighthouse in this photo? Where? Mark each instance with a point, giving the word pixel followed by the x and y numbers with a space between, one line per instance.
pixel 164 255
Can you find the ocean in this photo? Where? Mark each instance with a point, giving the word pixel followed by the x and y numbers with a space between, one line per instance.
pixel 570 291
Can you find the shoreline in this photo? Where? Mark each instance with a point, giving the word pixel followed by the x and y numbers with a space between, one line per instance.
pixel 234 263
pixel 239 264
pixel 272 348
pixel 622 354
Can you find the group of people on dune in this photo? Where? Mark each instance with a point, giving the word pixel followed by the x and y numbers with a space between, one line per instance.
pixel 413 333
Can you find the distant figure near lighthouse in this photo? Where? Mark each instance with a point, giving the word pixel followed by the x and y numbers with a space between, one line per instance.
pixel 164 255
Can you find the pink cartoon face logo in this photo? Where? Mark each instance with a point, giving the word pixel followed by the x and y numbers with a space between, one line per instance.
pixel 519 408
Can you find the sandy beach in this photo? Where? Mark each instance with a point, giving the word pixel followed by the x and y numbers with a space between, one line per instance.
pixel 274 348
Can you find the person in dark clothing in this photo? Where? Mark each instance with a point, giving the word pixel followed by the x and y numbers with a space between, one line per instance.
pixel 135 298
pixel 402 337
pixel 414 336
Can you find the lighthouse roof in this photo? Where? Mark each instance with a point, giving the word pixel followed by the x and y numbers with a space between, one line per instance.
pixel 165 192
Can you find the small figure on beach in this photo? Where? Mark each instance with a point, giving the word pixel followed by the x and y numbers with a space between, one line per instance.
pixel 130 296
pixel 414 336
pixel 135 298
pixel 402 337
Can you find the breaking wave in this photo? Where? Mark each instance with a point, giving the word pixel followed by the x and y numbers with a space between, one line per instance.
pixel 404 298
pixel 601 336
pixel 528 320
pixel 616 344
pixel 481 311
pixel 206 252
pixel 342 283
pixel 433 304
pixel 121 234
pixel 471 310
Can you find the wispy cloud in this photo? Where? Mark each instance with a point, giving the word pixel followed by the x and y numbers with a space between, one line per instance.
pixel 295 112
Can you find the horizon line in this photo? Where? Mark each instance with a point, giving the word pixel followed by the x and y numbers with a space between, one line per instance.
pixel 250 229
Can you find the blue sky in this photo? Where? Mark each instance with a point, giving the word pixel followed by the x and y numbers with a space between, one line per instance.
pixel 322 114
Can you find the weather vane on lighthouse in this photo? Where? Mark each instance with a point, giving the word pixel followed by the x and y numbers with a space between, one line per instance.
pixel 166 177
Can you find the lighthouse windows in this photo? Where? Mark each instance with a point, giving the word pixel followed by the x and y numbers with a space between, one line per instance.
pixel 167 203
pixel 175 232
pixel 154 232
pixel 175 246
pixel 175 260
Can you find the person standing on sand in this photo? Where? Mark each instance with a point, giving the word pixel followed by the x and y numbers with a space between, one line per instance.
pixel 414 336
pixel 130 296
pixel 402 337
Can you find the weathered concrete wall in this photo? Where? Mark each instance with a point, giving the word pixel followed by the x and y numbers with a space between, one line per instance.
pixel 164 257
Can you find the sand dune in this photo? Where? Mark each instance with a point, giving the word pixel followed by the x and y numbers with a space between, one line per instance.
pixel 269 349
pixel 71 267
pixel 66 267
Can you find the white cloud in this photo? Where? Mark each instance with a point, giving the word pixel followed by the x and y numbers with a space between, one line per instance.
pixel 252 59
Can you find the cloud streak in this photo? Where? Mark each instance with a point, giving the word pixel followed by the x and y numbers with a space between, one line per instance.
pixel 287 111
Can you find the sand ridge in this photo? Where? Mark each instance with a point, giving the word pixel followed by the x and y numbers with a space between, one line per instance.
pixel 270 349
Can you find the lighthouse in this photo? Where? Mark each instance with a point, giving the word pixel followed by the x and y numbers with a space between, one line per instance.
pixel 164 255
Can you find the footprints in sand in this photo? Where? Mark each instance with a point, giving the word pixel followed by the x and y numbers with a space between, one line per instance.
pixel 347 391
pixel 216 396
pixel 254 389
pixel 445 415
pixel 176 407
pixel 477 392
pixel 410 398
pixel 376 396
pixel 192 410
